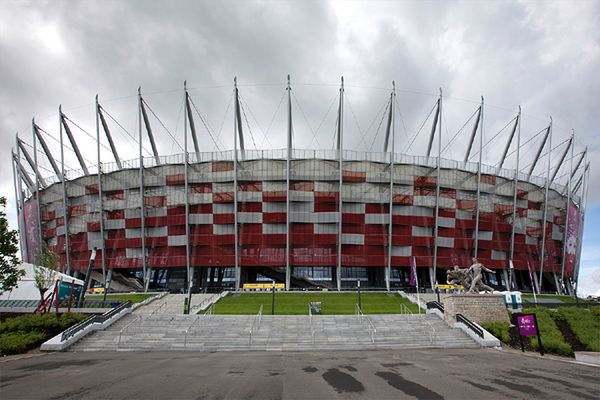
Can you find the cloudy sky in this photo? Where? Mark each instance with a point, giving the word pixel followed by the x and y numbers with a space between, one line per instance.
pixel 544 56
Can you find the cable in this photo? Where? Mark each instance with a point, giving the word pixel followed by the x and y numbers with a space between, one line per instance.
pixel 306 120
pixel 161 123
pixel 204 123
pixel 420 128
pixel 401 117
pixel 326 114
pixel 380 123
pixel 225 115
pixel 356 120
pixel 494 137
pixel 86 132
pixel 528 140
pixel 125 130
pixel 275 114
pixel 248 125
pixel 460 130
pixel 257 123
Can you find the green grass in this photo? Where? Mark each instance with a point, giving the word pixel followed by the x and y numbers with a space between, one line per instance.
pixel 584 323
pixel 500 329
pixel 552 340
pixel 133 297
pixel 563 299
pixel 297 303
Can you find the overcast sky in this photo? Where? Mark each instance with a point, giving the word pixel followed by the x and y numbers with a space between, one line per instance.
pixel 544 56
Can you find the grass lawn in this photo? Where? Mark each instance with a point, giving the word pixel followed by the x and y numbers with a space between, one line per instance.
pixel 297 303
pixel 564 299
pixel 133 297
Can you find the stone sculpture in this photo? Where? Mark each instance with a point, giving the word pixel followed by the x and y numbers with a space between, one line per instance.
pixel 469 278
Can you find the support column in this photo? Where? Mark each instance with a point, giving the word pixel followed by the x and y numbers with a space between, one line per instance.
pixel 479 182
pixel 187 191
pixel 567 208
pixel 340 146
pixel 142 195
pixel 543 253
pixel 391 129
pixel 14 171
pixel 21 202
pixel 235 185
pixel 515 193
pixel 437 184
pixel 37 193
pixel 288 269
pixel 100 199
pixel 63 180
pixel 506 279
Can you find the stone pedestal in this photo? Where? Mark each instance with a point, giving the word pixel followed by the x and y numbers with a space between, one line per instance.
pixel 476 307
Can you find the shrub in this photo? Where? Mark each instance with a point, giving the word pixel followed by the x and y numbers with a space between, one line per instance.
pixel 584 323
pixel 552 340
pixel 20 342
pixel 499 329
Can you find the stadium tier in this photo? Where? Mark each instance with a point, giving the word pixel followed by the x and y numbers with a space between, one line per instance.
pixel 304 217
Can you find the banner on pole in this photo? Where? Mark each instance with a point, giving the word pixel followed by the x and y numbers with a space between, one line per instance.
pixel 413 271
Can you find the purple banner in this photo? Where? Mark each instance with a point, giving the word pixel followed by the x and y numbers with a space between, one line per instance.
pixel 413 271
pixel 526 325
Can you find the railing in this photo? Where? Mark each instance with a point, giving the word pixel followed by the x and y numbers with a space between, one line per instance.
pixel 125 328
pixel 209 300
pixel 406 311
pixel 188 330
pixel 464 320
pixel 256 322
pixel 431 330
pixel 435 305
pixel 93 320
pixel 158 309
pixel 370 326
pixel 422 320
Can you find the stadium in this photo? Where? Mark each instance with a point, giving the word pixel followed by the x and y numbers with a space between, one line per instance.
pixel 314 218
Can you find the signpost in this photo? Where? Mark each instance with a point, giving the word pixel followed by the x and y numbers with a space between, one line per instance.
pixel 528 326
pixel 273 300
pixel 358 288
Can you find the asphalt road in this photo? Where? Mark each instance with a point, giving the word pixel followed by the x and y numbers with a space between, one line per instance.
pixel 422 374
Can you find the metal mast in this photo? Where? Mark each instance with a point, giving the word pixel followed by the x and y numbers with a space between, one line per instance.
pixel 479 182
pixel 63 180
pixel 63 120
pixel 192 124
pixel 21 177
pixel 437 187
pixel 508 143
pixel 340 148
pixel 515 194
pixel 390 129
pixel 36 131
pixel 142 191
pixel 148 128
pixel 21 146
pixel 473 133
pixel 288 269
pixel 236 125
pixel 567 208
pixel 100 195
pixel 186 112
pixel 113 148
pixel 537 156
pixel 37 193
pixel 14 171
pixel 435 120
pixel 545 207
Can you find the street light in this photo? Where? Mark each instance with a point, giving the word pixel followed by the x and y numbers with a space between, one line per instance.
pixel 273 299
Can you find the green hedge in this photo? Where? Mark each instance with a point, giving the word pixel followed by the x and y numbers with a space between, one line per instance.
pixel 22 333
pixel 584 323
pixel 552 339
pixel 498 329
pixel 20 342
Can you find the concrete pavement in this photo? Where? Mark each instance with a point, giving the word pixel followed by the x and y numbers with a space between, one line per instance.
pixel 423 374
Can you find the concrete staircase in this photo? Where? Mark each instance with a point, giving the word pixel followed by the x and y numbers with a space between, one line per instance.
pixel 162 331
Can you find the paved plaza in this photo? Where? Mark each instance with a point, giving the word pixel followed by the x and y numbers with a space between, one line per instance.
pixel 410 374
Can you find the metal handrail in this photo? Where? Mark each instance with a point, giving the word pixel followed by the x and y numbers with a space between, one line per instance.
pixel 123 330
pixel 187 331
pixel 160 307
pixel 257 317
pixel 435 305
pixel 462 319
pixel 406 311
pixel 432 330
pixel 67 333
pixel 370 325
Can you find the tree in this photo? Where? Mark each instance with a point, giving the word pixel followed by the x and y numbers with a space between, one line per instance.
pixel 44 275
pixel 9 263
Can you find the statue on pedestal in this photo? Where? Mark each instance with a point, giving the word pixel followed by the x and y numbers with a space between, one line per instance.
pixel 469 278
pixel 477 284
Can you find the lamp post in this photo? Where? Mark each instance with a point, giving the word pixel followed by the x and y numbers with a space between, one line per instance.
pixel 273 299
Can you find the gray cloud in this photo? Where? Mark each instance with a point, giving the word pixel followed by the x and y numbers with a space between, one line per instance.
pixel 543 56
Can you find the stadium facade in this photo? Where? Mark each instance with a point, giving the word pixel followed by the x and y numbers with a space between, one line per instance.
pixel 304 217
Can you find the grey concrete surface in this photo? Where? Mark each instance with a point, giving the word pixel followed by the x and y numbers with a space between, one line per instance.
pixel 410 374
